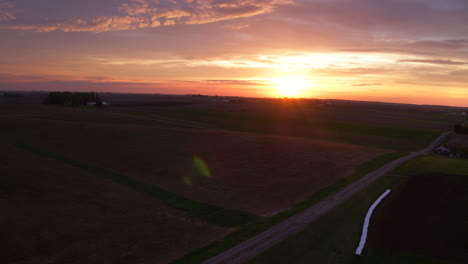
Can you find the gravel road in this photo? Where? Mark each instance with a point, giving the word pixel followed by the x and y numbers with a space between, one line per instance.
pixel 258 244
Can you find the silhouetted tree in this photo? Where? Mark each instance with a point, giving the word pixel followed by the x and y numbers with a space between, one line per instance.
pixel 72 98
pixel 461 129
pixel 98 100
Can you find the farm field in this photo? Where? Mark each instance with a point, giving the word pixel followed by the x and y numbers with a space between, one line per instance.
pixel 403 127
pixel 55 213
pixel 357 112
pixel 244 167
pixel 229 170
pixel 458 139
pixel 233 131
pixel 426 218
pixel 376 135
pixel 82 115
pixel 335 237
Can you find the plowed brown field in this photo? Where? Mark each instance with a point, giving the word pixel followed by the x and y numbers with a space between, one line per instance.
pixel 55 213
pixel 252 172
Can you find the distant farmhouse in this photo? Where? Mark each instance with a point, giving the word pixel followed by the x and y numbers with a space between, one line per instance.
pixel 462 112
pixel 442 150
pixel 96 103
pixel 452 150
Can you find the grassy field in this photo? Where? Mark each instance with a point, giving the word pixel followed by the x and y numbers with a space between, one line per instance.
pixel 334 237
pixel 434 164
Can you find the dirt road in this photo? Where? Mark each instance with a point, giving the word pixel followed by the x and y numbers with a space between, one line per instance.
pixel 258 244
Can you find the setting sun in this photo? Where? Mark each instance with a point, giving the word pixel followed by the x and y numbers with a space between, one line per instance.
pixel 291 86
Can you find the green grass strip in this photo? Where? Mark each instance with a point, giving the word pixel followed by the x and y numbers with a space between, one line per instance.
pixel 207 212
pixel 433 164
pixel 255 228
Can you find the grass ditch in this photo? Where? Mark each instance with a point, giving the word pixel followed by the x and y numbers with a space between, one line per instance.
pixel 263 224
pixel 333 238
pixel 210 213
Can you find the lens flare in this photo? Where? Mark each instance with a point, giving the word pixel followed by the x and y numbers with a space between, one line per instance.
pixel 200 172
pixel 200 167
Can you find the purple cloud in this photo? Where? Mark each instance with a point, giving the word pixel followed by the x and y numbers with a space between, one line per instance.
pixel 441 62
pixel 136 14
pixel 7 11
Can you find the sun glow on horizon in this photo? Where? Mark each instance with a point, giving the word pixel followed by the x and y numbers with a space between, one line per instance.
pixel 291 86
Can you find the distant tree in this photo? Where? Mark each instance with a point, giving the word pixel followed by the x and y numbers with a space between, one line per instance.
pixel 461 128
pixel 92 97
pixel 98 100
pixel 72 98
pixel 11 95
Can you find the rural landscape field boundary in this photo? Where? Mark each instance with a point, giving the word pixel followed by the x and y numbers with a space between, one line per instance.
pixel 258 244
pixel 91 157
pixel 332 240
pixel 255 228
pixel 210 213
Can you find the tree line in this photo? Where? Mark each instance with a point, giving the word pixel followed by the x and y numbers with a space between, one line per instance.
pixel 72 98
pixel 461 128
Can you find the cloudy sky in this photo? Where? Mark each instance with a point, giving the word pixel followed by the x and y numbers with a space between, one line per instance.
pixel 413 51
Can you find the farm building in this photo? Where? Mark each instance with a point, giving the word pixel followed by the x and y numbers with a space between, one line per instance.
pixel 442 150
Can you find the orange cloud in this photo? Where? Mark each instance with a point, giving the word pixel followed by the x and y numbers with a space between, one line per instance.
pixel 149 14
pixel 441 62
pixel 100 24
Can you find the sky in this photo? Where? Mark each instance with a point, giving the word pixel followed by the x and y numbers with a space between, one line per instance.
pixel 406 51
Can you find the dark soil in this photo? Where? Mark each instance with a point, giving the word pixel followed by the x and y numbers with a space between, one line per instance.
pixel 55 213
pixel 260 174
pixel 427 217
